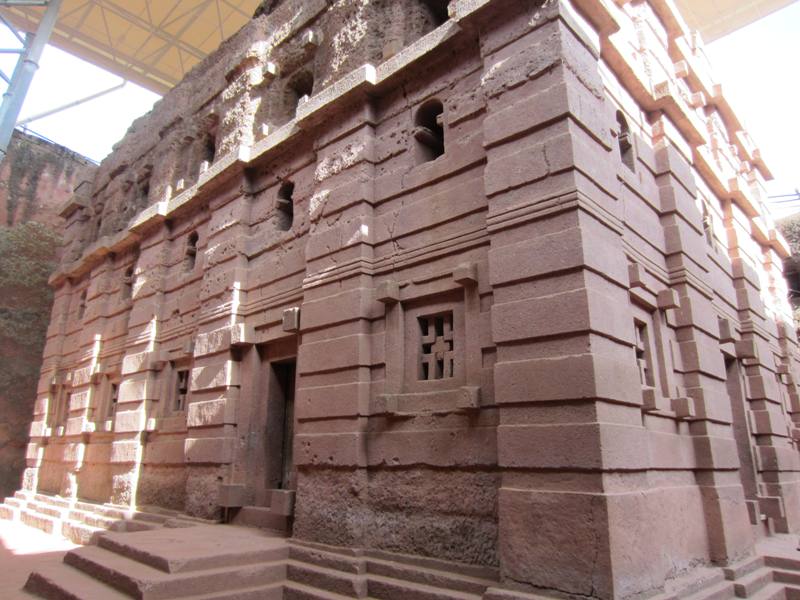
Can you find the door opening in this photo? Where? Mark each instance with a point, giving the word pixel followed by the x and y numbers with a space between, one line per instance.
pixel 280 425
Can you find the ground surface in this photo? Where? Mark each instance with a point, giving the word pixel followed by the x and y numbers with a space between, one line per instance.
pixel 23 549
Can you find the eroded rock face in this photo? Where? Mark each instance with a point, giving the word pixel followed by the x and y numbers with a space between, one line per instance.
pixel 234 96
pixel 36 178
pixel 465 289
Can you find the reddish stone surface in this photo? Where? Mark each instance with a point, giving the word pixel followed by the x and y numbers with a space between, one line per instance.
pixel 505 297
pixel 36 178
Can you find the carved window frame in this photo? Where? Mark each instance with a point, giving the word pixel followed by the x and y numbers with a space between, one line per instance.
pixel 649 309
pixel 405 392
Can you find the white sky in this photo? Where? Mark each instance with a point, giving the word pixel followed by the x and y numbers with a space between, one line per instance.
pixel 757 66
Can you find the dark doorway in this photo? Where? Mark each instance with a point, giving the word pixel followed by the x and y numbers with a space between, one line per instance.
pixel 280 425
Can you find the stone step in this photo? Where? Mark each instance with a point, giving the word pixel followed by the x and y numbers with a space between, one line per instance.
pixel 61 582
pixel 782 562
pixel 771 591
pixel 49 510
pixel 134 526
pixel 37 520
pixel 149 517
pixel 104 510
pixel 163 515
pixel 179 523
pixel 298 591
pixel 746 586
pixel 21 495
pixel 261 517
pixel 501 594
pixel 479 572
pixel 15 502
pixel 346 561
pixel 201 547
pixel 743 567
pixel 80 533
pixel 791 592
pixel 92 519
pixel 332 580
pixel 788 577
pixel 267 592
pixel 428 576
pixel 56 501
pixel 723 590
pixel 386 588
pixel 147 583
pixel 9 513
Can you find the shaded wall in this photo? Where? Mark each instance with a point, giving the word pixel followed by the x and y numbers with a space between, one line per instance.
pixel 35 180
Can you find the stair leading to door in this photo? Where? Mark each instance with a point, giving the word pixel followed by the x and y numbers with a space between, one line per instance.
pixel 81 522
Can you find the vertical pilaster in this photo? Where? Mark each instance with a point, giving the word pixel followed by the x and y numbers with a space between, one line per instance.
pixel 566 380
pixel 337 347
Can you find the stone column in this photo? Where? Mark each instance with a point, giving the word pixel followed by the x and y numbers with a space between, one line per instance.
pixel 212 438
pixel 703 334
pixel 140 387
pixel 336 347
pixel 50 381
pixel 566 379
pixel 777 459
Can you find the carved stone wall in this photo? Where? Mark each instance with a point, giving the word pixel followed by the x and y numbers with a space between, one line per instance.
pixel 498 289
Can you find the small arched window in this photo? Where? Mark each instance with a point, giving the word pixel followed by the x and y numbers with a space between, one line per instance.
pixel 285 206
pixel 209 151
pixel 708 225
pixel 438 10
pixel 429 130
pixel 82 305
pixel 300 86
pixel 190 255
pixel 127 284
pixel 143 192
pixel 209 148
pixel 625 142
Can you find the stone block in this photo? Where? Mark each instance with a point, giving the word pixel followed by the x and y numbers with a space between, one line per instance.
pixel 282 502
pixel 231 495
pixel 211 413
pixel 125 451
pixel 291 319
pixel 129 421
pixel 164 452
pixel 388 292
pixel 572 550
pixel 218 450
pixel 214 376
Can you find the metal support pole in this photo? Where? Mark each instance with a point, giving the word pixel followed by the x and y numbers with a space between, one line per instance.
pixel 72 104
pixel 26 68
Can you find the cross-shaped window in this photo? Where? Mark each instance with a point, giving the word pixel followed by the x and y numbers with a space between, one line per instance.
pixel 437 354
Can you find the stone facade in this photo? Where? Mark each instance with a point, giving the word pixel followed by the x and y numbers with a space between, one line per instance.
pixel 490 282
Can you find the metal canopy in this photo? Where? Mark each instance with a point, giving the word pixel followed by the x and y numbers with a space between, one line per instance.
pixel 717 18
pixel 156 42
pixel 151 42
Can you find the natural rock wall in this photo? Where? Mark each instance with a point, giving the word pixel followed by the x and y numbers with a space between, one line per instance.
pixel 36 178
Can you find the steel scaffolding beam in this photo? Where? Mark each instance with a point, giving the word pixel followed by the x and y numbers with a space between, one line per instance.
pixel 27 65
